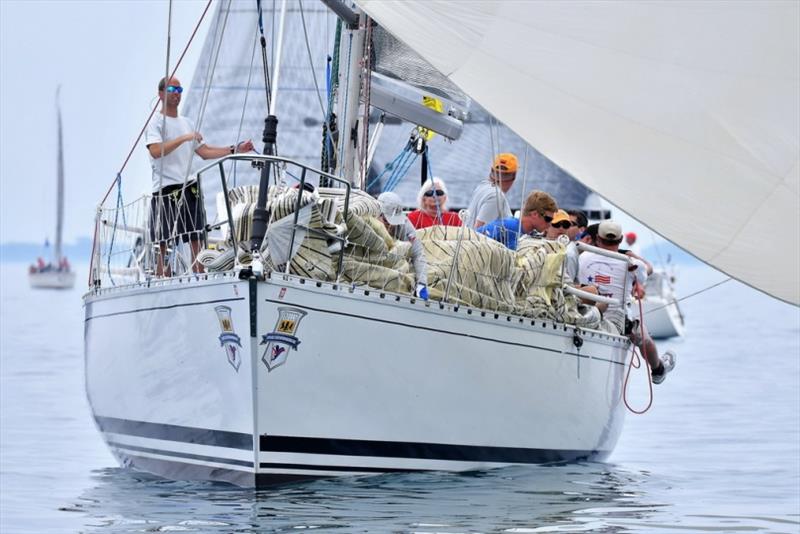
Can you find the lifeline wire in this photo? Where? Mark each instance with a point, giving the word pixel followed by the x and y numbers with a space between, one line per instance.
pixel 691 294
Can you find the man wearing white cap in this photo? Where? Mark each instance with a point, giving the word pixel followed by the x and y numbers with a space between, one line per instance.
pixel 399 227
pixel 616 279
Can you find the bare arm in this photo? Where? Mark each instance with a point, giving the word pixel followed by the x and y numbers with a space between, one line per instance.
pixel 169 146
pixel 214 152
pixel 647 264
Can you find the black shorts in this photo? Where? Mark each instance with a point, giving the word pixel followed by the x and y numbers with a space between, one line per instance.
pixel 176 213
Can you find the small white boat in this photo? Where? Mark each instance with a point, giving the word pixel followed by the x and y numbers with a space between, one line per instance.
pixel 57 274
pixel 52 279
pixel 662 315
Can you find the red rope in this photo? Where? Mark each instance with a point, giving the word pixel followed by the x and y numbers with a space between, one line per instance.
pixel 139 137
pixel 635 363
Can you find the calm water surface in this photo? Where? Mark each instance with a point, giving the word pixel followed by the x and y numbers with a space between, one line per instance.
pixel 719 451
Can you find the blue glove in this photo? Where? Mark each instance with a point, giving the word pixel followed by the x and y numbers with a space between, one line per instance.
pixel 422 291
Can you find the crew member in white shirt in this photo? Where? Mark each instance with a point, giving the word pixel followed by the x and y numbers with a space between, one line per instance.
pixel 489 201
pixel 399 227
pixel 176 209
pixel 617 279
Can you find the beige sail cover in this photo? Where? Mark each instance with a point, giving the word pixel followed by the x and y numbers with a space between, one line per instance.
pixel 685 114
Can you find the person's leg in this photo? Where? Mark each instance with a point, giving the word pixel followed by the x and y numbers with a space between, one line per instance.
pixel 196 265
pixel 162 268
pixel 659 366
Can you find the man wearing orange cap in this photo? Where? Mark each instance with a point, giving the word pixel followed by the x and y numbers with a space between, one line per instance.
pixel 489 201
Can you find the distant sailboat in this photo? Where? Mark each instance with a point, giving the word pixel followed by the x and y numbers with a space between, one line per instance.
pixel 57 274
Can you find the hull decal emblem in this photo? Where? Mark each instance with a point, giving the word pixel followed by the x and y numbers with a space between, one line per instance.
pixel 281 340
pixel 228 339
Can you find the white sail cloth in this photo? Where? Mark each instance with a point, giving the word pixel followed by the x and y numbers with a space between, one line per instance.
pixel 685 114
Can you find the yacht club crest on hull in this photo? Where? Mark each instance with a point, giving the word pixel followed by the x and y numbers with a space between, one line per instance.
pixel 282 339
pixel 228 339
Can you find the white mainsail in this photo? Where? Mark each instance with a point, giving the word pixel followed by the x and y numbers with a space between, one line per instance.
pixel 686 114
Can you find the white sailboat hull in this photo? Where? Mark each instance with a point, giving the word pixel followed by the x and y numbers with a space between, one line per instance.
pixel 52 279
pixel 662 317
pixel 375 383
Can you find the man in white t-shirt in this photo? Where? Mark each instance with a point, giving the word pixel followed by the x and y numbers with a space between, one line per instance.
pixel 618 280
pixel 489 201
pixel 176 210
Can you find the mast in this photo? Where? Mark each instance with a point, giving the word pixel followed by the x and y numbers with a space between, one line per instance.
pixel 349 92
pixel 60 184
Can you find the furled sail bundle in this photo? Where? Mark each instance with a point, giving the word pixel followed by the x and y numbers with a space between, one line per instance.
pixel 686 115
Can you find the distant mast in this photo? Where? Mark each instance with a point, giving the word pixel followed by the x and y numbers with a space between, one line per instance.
pixel 60 186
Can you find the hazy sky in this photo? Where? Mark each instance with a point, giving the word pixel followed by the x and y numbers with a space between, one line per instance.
pixel 108 56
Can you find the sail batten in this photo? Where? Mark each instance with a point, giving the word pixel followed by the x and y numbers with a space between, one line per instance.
pixel 686 115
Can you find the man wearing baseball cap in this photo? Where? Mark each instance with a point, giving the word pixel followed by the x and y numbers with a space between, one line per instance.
pixel 616 279
pixel 399 227
pixel 489 201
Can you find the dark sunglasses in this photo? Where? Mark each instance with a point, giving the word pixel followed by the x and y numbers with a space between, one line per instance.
pixel 562 224
pixel 437 192
pixel 546 218
pixel 174 89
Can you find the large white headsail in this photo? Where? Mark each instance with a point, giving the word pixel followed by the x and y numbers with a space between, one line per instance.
pixel 686 114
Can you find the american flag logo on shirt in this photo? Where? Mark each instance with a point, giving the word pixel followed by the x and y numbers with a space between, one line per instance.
pixel 602 279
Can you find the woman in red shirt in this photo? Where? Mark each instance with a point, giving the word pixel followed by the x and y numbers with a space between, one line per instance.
pixel 432 200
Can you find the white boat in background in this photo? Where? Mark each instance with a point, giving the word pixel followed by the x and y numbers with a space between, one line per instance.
pixel 662 314
pixel 262 371
pixel 57 274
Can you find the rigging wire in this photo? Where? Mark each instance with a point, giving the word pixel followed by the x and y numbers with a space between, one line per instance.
pixel 712 286
pixel 264 62
pixel 233 165
pixel 311 60
pixel 203 103
pixel 314 75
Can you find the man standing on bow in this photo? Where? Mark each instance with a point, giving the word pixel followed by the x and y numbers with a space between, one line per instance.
pixel 489 201
pixel 176 209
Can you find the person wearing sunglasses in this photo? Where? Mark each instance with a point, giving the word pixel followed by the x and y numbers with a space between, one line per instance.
pixel 579 223
pixel 176 210
pixel 560 225
pixel 537 213
pixel 489 201
pixel 432 206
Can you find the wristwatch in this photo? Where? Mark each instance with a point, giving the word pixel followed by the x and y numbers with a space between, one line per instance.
pixel 233 149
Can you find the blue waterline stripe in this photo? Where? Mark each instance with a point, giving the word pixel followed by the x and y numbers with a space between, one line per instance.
pixel 338 468
pixel 337 446
pixel 418 450
pixel 215 459
pixel 184 434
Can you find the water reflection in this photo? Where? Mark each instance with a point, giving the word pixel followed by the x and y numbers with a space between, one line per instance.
pixel 581 497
